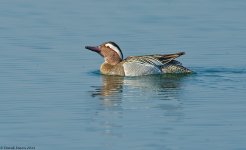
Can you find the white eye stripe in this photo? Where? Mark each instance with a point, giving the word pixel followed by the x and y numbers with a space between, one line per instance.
pixel 115 49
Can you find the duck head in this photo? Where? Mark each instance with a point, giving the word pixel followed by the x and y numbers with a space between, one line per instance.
pixel 110 51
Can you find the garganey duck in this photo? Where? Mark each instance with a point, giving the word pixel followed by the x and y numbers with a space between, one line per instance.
pixel 115 64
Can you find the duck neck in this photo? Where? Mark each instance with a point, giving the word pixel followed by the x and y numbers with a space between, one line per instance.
pixel 112 60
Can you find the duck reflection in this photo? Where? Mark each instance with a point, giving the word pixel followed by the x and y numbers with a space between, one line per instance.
pixel 110 92
pixel 114 90
pixel 166 87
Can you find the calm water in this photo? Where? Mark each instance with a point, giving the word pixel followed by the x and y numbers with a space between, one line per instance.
pixel 53 97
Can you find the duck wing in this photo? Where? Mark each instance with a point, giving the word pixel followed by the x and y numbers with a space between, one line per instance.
pixel 155 60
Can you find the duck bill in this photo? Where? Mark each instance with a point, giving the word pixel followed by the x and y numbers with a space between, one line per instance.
pixel 93 48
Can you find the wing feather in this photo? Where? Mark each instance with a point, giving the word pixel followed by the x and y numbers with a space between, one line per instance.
pixel 156 60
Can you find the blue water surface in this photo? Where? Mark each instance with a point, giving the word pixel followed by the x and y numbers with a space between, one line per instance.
pixel 52 95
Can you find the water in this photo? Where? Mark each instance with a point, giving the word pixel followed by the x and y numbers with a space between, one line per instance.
pixel 53 97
